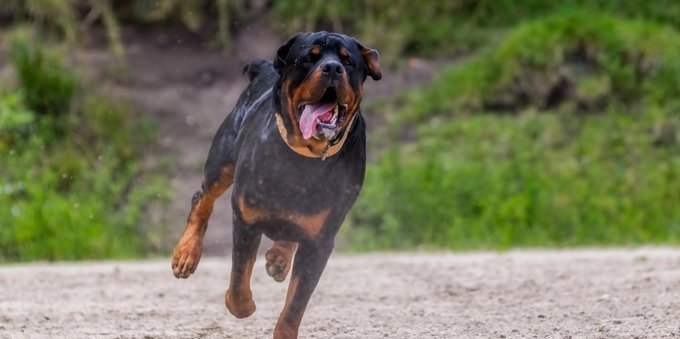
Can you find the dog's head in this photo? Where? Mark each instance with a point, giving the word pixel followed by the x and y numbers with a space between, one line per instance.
pixel 321 86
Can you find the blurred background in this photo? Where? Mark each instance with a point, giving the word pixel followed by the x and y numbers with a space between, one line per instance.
pixel 497 124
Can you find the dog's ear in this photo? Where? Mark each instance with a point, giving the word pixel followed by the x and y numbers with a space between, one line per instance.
pixel 370 57
pixel 282 54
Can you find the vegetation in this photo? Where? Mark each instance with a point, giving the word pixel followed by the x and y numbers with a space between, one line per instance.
pixel 560 128
pixel 429 28
pixel 70 163
pixel 598 164
pixel 487 181
pixel 70 19
pixel 441 28
pixel 586 61
pixel 48 89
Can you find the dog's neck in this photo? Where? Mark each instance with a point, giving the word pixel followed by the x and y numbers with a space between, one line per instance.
pixel 331 149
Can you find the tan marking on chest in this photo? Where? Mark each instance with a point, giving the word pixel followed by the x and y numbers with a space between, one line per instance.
pixel 310 224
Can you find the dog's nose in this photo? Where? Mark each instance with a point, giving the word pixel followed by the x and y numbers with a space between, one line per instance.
pixel 332 68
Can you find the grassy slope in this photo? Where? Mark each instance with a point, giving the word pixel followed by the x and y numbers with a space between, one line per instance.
pixel 600 166
pixel 566 175
pixel 71 187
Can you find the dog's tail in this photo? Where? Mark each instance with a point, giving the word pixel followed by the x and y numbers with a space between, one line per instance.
pixel 257 67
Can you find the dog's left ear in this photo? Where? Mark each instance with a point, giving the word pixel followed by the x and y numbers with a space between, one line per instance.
pixel 282 54
pixel 371 60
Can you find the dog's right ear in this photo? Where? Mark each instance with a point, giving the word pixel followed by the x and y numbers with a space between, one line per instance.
pixel 282 54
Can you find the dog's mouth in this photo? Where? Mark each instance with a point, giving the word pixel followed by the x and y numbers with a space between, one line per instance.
pixel 323 119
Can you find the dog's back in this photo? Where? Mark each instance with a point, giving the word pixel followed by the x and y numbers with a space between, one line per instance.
pixel 262 76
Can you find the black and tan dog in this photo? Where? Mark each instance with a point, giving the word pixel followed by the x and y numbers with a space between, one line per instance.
pixel 294 148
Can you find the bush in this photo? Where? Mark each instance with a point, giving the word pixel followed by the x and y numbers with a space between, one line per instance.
pixel 69 19
pixel 15 120
pixel 425 28
pixel 472 176
pixel 47 87
pixel 436 28
pixel 74 192
pixel 487 181
pixel 79 197
pixel 582 60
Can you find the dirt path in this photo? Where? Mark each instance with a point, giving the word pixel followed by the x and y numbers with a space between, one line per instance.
pixel 521 294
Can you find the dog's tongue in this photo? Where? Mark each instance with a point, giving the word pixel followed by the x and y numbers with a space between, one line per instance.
pixel 310 116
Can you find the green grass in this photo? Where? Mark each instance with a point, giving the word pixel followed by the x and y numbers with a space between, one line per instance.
pixel 473 173
pixel 486 181
pixel 73 20
pixel 603 59
pixel 71 184
pixel 444 28
pixel 48 89
pixel 429 28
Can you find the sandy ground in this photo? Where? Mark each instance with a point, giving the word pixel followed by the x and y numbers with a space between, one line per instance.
pixel 614 293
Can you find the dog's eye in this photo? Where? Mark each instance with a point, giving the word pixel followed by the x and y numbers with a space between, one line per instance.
pixel 309 58
pixel 347 61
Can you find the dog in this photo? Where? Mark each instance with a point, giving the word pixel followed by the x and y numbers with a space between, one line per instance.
pixel 294 149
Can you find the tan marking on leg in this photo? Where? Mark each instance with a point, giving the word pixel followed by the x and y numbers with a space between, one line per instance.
pixel 288 329
pixel 239 297
pixel 189 249
pixel 311 224
pixel 310 260
pixel 245 282
pixel 202 209
pixel 292 287
pixel 287 246
pixel 249 214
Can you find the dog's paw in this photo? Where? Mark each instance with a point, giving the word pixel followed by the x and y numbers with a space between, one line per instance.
pixel 186 256
pixel 278 263
pixel 239 307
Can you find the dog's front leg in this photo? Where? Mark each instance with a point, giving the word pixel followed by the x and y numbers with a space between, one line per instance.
pixel 310 261
pixel 188 251
pixel 239 297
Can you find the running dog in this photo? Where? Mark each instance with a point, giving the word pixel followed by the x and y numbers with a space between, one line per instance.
pixel 294 150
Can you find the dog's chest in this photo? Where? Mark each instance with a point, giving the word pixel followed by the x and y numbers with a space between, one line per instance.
pixel 305 186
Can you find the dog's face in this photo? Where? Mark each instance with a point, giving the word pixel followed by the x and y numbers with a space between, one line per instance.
pixel 321 86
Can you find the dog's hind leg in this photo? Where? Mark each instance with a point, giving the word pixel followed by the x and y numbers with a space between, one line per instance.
pixel 310 261
pixel 279 258
pixel 218 177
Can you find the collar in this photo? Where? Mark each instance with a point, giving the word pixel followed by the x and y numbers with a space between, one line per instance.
pixel 332 148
